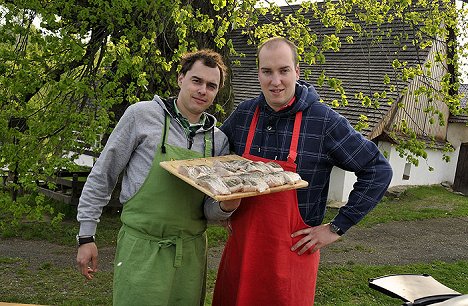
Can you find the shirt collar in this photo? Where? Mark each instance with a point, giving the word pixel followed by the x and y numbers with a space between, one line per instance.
pixel 289 103
pixel 193 127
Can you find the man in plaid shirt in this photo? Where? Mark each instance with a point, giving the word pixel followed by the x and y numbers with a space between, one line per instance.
pixel 272 255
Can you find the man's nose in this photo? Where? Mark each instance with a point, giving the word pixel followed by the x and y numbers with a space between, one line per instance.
pixel 275 79
pixel 202 89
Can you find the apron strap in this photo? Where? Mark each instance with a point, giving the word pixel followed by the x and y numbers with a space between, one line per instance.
pixel 166 243
pixel 167 121
pixel 178 242
pixel 213 141
pixel 294 140
pixel 250 136
pixel 209 146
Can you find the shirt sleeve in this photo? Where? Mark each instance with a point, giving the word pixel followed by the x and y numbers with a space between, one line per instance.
pixel 352 152
pixel 101 181
pixel 213 211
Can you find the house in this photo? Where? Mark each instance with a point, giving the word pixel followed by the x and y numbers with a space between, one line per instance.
pixel 361 66
pixel 457 134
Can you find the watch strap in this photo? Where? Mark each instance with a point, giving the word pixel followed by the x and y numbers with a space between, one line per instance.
pixel 84 240
pixel 335 229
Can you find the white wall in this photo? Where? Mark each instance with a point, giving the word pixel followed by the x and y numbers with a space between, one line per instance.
pixel 341 182
pixel 421 175
pixel 457 133
pixel 85 160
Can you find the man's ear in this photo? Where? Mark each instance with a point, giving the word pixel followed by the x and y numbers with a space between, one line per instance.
pixel 298 72
pixel 180 78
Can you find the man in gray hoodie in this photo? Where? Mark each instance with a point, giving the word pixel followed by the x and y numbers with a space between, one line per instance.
pixel 161 247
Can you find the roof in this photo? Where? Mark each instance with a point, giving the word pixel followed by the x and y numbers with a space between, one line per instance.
pixel 361 67
pixel 463 103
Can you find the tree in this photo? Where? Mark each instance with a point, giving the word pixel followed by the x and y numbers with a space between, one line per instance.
pixel 70 78
pixel 424 24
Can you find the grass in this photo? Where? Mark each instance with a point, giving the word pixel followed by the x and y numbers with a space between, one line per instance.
pixel 337 285
pixel 419 203
pixel 52 286
pixel 348 285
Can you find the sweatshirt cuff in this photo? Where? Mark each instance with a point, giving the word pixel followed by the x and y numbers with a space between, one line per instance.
pixel 87 228
pixel 213 211
pixel 220 213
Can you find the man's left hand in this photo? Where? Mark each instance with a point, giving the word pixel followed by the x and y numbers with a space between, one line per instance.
pixel 229 205
pixel 315 238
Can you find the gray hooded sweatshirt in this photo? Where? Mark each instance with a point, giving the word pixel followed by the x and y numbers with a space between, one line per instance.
pixel 131 148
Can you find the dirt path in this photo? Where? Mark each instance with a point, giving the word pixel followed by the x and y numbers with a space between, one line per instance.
pixel 395 243
pixel 400 243
pixel 392 243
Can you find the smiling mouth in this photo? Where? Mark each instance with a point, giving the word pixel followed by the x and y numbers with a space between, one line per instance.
pixel 199 100
pixel 276 91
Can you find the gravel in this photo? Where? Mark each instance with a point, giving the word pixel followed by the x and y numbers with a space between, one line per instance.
pixel 394 243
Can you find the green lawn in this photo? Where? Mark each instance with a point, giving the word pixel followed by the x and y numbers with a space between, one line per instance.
pixel 337 285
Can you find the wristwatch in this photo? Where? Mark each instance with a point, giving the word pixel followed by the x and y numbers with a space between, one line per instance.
pixel 84 240
pixel 335 229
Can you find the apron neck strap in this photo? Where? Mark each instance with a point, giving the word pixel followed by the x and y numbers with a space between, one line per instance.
pixel 167 121
pixel 295 138
pixel 251 134
pixel 209 147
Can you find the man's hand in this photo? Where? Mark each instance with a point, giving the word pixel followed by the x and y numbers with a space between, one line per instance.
pixel 315 238
pixel 229 205
pixel 87 259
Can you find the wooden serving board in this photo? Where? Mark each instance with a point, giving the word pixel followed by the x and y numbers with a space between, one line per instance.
pixel 172 167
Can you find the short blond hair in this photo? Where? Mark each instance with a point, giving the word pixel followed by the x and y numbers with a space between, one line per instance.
pixel 275 41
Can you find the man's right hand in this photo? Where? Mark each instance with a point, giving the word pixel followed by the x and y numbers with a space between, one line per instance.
pixel 87 260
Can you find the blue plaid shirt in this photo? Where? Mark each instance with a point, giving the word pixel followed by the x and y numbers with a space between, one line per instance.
pixel 326 140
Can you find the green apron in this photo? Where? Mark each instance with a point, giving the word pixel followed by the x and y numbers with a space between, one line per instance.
pixel 161 247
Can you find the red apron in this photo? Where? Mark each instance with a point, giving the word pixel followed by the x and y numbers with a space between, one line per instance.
pixel 258 267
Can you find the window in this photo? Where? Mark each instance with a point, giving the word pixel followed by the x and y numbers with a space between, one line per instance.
pixel 406 173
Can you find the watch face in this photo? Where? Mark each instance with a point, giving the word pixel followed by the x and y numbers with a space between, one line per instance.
pixel 334 228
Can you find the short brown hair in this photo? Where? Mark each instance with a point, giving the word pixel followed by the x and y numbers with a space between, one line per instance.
pixel 208 57
pixel 275 41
